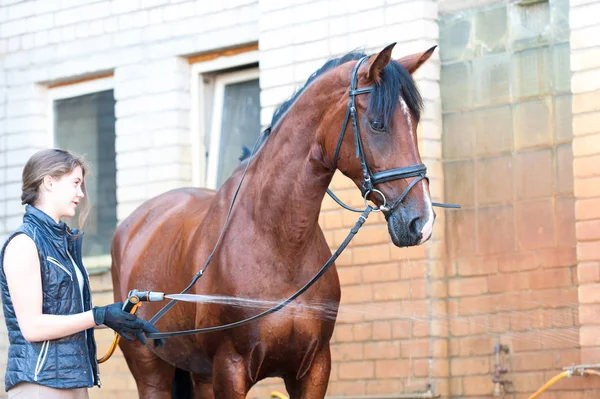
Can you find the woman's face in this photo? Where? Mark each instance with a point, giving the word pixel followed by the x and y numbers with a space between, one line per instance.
pixel 66 193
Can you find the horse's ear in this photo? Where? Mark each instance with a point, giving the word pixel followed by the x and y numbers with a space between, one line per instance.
pixel 380 61
pixel 412 62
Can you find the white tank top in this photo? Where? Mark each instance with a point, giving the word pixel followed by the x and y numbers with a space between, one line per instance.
pixel 79 278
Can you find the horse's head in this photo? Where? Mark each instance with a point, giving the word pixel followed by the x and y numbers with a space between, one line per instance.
pixel 377 147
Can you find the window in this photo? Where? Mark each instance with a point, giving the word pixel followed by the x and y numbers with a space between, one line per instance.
pixel 83 121
pixel 226 98
pixel 235 123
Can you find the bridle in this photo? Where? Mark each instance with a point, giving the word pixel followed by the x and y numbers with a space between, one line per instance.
pixel 368 186
pixel 370 180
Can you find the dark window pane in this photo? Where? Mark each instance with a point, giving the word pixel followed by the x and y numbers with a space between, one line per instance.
pixel 86 126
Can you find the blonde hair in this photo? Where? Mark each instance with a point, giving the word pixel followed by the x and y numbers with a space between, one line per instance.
pixel 56 163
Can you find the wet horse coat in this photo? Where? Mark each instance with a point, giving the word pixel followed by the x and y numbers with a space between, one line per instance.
pixel 273 243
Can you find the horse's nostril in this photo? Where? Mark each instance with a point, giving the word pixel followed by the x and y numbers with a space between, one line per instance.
pixel 414 226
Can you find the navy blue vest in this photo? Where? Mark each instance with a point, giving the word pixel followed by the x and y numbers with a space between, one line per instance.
pixel 68 362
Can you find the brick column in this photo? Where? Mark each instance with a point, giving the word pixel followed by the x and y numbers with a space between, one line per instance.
pixel 585 85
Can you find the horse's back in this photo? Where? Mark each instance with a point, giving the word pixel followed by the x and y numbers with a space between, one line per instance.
pixel 149 244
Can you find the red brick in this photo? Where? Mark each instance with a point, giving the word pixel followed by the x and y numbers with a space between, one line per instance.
pixel 480 385
pixel 588 272
pixel 585 145
pixel 382 350
pixel 524 341
pixel 357 294
pixel 587 187
pixel 533 361
pixel 479 324
pixel 438 289
pixel 588 230
pixel 535 224
pixel 470 366
pixel 496 232
pixel 401 329
pixel 392 369
pixel 476 346
pixel 384 387
pixel 456 387
pixel 586 166
pixel 371 254
pixel 332 220
pixel 589 335
pixel 558 257
pixel 344 388
pixel 362 331
pixel 382 330
pixel 350 275
pixel 560 339
pixel 391 291
pixel 528 382
pixel 381 272
pixel 343 333
pixel 507 282
pixel 410 270
pixel 554 298
pixel 420 329
pixel 518 262
pixel 459 327
pixel 415 348
pixel 416 252
pixel 346 351
pixel 588 250
pixel 550 278
pixel 419 368
pixel 356 370
pixel 475 305
pixel 440 348
pixel 460 287
pixel 386 311
pixel 418 289
pixel 589 314
pixel 439 368
pixel 589 293
pixel 586 209
pixel 477 266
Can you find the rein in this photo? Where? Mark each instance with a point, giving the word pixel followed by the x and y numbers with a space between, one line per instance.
pixel 368 183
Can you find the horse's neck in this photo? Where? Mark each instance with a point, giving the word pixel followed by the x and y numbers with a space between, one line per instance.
pixel 291 181
pixel 290 177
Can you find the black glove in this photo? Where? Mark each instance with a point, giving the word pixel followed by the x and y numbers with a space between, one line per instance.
pixel 123 323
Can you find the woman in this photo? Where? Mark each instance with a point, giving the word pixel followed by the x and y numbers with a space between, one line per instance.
pixel 45 288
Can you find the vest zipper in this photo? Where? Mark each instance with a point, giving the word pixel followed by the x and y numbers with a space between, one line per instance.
pixel 54 261
pixel 41 360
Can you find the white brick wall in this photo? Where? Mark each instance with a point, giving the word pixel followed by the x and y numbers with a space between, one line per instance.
pixel 143 42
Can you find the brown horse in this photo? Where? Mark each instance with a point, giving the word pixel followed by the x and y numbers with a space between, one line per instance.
pixel 273 244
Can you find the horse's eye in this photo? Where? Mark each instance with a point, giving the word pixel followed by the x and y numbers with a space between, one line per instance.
pixel 377 125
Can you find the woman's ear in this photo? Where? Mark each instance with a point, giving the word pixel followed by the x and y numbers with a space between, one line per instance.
pixel 47 183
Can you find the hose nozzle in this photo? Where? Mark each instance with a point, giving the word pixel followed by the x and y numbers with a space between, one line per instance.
pixel 145 296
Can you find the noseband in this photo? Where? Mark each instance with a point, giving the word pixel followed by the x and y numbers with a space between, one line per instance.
pixel 369 179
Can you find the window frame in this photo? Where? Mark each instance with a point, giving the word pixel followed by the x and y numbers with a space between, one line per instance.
pixel 202 85
pixel 214 152
pixel 98 263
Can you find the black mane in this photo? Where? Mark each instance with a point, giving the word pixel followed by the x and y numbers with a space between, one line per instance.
pixel 395 81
